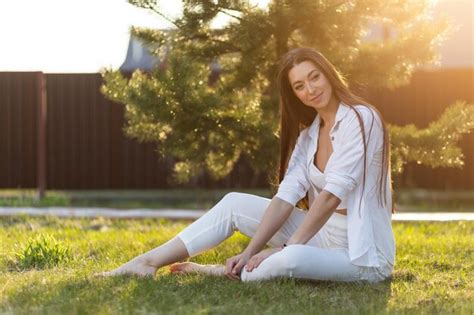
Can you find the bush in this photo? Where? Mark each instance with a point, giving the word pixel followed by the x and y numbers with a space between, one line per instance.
pixel 43 251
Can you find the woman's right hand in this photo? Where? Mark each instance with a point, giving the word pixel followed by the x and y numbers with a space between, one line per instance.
pixel 235 264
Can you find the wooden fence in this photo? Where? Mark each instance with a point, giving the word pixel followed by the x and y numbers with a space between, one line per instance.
pixel 86 147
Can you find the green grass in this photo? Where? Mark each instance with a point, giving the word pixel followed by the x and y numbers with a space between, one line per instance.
pixel 120 199
pixel 434 201
pixel 407 199
pixel 433 274
pixel 42 251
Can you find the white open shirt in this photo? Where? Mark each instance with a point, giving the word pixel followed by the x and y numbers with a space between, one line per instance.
pixel 369 228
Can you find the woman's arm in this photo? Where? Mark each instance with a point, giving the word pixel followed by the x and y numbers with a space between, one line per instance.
pixel 293 187
pixel 275 215
pixel 319 212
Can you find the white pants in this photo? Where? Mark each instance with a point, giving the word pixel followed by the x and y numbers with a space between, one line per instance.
pixel 323 257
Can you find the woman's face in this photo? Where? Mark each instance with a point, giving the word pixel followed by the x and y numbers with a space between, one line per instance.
pixel 310 85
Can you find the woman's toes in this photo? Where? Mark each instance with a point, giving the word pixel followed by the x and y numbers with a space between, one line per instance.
pixel 186 267
pixel 190 267
pixel 174 268
pixel 105 274
pixel 179 267
pixel 99 274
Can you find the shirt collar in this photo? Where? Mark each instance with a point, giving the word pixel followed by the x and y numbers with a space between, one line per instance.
pixel 340 114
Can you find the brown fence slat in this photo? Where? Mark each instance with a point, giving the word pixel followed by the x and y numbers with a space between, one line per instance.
pixel 18 125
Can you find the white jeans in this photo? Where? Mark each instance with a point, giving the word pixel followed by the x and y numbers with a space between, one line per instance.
pixel 323 257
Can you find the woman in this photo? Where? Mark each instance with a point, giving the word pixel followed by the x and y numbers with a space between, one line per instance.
pixel 339 166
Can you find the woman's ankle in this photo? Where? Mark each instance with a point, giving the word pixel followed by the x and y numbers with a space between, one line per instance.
pixel 143 261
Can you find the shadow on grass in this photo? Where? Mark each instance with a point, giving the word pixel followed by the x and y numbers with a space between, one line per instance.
pixel 81 293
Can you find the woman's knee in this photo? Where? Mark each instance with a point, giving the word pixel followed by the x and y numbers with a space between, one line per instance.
pixel 235 196
pixel 236 200
pixel 228 202
pixel 290 258
pixel 231 197
pixel 280 264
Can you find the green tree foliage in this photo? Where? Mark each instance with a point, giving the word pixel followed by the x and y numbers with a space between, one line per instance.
pixel 434 146
pixel 207 127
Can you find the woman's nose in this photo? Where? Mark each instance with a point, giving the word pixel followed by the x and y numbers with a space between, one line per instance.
pixel 311 88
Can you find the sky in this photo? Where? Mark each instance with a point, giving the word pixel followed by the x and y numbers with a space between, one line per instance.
pixel 61 36
pixel 67 35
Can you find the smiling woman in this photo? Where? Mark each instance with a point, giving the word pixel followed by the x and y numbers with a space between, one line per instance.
pixel 340 157
pixel 311 85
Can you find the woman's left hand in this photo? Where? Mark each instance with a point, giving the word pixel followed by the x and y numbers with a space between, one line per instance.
pixel 256 259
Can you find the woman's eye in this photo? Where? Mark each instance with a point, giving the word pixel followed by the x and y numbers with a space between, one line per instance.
pixel 298 87
pixel 315 77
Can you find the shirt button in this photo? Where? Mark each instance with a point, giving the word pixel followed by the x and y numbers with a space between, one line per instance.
pixel 332 138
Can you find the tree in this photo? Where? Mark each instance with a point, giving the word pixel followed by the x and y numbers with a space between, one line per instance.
pixel 434 146
pixel 207 121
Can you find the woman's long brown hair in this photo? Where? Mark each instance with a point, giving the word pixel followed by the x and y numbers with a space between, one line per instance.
pixel 295 115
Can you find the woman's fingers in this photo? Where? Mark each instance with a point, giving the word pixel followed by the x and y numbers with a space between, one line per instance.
pixel 257 259
pixel 228 267
pixel 253 263
pixel 236 270
pixel 250 262
pixel 249 266
pixel 260 261
pixel 256 264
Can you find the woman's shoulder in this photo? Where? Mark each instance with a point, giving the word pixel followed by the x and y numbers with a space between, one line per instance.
pixel 367 113
pixel 304 132
pixel 303 136
pixel 302 140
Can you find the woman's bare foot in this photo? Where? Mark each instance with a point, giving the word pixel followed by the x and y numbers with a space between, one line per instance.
pixel 190 267
pixel 136 268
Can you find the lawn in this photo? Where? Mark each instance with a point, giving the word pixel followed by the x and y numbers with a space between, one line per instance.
pixel 433 274
pixel 120 199
pixel 407 200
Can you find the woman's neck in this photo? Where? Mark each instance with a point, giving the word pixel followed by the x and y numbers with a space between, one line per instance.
pixel 328 114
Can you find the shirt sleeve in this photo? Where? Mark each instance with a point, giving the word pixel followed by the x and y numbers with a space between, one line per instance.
pixel 345 167
pixel 295 183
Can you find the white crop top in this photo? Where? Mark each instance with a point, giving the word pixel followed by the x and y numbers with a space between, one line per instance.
pixel 318 181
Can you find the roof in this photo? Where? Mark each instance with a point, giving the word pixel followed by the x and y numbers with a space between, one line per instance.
pixel 138 57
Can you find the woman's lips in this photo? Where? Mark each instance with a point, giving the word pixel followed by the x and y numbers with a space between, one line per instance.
pixel 317 98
